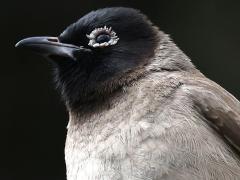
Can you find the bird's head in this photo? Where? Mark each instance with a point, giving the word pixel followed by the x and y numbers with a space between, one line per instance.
pixel 98 54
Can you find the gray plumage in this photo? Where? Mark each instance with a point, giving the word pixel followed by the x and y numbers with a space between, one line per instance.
pixel 157 128
pixel 138 108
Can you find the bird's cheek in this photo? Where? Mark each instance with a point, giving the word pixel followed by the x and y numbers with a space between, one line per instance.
pixel 83 55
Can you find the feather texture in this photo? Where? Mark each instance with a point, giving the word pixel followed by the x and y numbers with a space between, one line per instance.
pixel 158 128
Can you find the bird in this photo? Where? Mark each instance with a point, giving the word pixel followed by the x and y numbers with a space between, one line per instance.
pixel 138 107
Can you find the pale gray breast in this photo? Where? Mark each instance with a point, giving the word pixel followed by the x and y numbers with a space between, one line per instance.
pixel 152 132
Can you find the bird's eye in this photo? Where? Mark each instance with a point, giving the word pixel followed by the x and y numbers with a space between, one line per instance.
pixel 102 37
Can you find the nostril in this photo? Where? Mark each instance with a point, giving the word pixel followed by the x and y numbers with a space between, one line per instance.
pixel 53 39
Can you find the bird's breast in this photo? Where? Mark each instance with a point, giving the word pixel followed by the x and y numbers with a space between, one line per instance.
pixel 106 142
pixel 151 132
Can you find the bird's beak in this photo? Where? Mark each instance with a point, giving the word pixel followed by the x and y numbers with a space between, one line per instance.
pixel 49 46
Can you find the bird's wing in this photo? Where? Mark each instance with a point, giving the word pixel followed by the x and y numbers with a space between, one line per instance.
pixel 220 108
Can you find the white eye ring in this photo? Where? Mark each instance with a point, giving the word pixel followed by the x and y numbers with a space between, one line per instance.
pixel 93 35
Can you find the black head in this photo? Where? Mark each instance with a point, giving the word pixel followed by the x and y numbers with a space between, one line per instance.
pixel 98 54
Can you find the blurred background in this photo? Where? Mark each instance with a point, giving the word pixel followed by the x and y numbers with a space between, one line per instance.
pixel 33 119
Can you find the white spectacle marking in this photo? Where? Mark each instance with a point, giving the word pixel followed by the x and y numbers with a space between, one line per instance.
pixel 93 35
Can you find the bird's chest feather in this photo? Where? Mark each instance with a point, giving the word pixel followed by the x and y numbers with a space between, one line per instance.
pixel 113 152
pixel 151 133
pixel 113 143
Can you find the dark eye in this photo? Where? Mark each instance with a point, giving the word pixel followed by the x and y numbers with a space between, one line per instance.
pixel 102 38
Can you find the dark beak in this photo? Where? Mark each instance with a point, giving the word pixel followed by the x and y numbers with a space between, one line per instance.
pixel 50 46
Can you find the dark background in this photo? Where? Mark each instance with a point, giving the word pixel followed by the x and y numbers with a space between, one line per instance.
pixel 33 119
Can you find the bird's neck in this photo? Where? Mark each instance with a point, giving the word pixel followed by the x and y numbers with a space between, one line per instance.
pixel 124 100
pixel 169 57
pixel 106 93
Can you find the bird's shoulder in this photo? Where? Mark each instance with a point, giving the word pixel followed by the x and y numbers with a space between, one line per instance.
pixel 219 107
